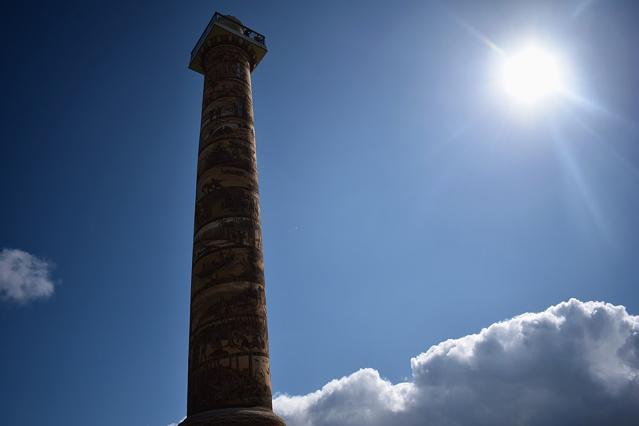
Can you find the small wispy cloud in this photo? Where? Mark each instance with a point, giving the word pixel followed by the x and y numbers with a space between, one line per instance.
pixel 24 277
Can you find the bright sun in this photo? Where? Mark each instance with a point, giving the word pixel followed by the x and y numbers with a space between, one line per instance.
pixel 532 74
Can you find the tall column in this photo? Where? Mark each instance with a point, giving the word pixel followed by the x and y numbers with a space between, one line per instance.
pixel 229 375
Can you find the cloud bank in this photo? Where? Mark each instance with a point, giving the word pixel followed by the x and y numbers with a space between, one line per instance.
pixel 574 364
pixel 24 277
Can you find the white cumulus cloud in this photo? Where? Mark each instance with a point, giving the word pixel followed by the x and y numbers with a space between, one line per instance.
pixel 24 277
pixel 574 364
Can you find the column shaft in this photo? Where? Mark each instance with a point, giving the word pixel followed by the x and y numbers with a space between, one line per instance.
pixel 228 353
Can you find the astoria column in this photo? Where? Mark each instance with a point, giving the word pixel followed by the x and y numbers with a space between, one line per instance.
pixel 229 375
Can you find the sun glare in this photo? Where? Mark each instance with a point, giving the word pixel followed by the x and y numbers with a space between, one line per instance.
pixel 532 74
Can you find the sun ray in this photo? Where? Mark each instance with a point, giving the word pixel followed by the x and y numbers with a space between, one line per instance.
pixel 606 147
pixel 478 35
pixel 592 106
pixel 570 164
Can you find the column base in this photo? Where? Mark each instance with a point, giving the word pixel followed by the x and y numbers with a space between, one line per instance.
pixel 255 416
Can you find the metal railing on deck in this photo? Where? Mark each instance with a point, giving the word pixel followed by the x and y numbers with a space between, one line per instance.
pixel 232 25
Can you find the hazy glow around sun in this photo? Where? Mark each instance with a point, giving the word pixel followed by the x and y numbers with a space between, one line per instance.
pixel 531 74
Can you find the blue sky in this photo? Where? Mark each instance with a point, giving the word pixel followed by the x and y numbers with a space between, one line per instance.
pixel 405 199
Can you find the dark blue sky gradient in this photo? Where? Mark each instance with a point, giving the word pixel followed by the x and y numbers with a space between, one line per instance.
pixel 404 199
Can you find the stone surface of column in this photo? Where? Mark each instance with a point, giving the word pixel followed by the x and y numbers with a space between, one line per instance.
pixel 228 375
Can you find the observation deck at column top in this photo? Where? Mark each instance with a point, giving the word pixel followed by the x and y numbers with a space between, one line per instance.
pixel 226 24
